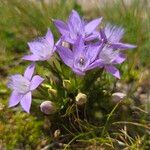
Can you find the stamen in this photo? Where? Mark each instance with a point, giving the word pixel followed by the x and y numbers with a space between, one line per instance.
pixel 81 61
pixel 109 43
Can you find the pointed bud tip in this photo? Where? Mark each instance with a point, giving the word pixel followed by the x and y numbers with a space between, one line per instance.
pixel 67 84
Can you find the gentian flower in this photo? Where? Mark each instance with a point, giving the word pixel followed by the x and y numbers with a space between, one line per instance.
pixel 81 58
pixel 112 35
pixel 41 48
pixel 110 57
pixel 76 26
pixel 22 87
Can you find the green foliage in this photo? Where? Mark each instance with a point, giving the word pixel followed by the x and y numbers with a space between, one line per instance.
pixel 19 130
pixel 22 21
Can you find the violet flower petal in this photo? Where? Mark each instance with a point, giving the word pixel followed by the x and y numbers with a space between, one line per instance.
pixel 93 36
pixel 66 55
pixel 61 26
pixel 79 47
pixel 26 102
pixel 97 63
pixel 93 52
pixel 49 37
pixel 68 39
pixel 120 59
pixel 14 99
pixel 91 26
pixel 35 46
pixel 35 82
pixel 103 36
pixel 122 46
pixel 74 19
pixel 75 24
pixel 29 71
pixel 113 33
pixel 30 57
pixel 57 43
pixel 78 72
pixel 113 70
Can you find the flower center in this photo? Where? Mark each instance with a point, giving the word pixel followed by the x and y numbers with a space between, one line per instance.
pixel 19 84
pixel 81 61
pixel 23 86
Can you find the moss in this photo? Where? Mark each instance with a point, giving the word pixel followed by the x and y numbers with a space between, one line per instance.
pixel 19 130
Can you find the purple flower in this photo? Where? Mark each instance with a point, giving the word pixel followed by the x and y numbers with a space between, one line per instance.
pixel 42 48
pixel 81 58
pixel 110 57
pixel 22 87
pixel 112 35
pixel 76 26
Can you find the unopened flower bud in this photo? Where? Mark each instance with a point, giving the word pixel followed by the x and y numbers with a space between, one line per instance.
pixel 48 107
pixel 118 96
pixel 81 99
pixel 52 91
pixel 67 84
pixel 57 134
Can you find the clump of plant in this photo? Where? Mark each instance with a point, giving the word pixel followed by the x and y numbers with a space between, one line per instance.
pixel 75 85
pixel 81 47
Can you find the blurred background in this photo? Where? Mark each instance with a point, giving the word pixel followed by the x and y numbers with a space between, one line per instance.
pixel 23 20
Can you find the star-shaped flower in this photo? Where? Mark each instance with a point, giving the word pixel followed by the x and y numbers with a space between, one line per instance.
pixel 112 35
pixel 76 26
pixel 82 57
pixel 41 48
pixel 22 87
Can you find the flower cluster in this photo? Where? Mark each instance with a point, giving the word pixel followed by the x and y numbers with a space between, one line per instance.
pixel 90 48
pixel 87 48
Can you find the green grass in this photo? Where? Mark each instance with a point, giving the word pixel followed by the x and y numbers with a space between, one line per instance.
pixel 101 123
pixel 22 21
